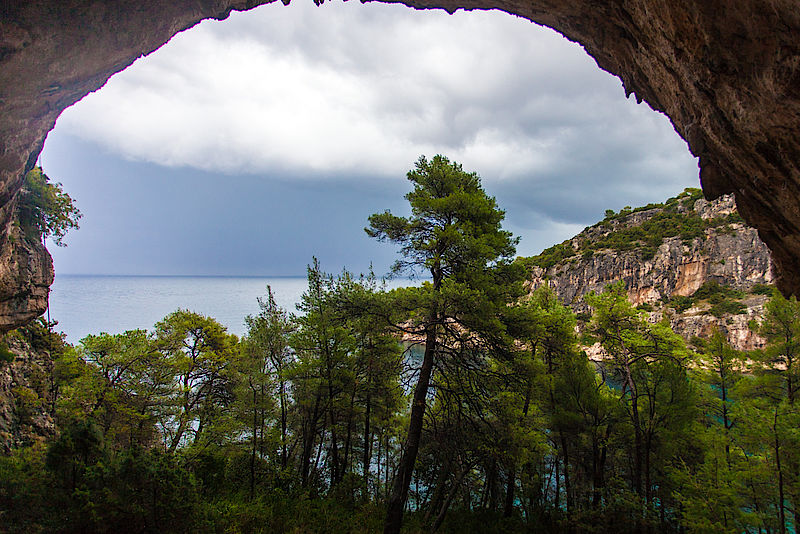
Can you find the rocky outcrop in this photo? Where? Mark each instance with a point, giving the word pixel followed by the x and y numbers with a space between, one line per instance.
pixel 729 253
pixel 26 407
pixel 26 273
pixel 726 73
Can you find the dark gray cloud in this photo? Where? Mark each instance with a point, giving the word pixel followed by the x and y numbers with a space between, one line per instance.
pixel 140 218
pixel 246 145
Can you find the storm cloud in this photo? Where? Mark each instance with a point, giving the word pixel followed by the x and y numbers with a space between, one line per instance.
pixel 345 97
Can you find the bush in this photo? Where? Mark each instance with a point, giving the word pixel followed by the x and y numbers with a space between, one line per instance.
pixel 714 292
pixel 44 209
pixel 5 354
pixel 727 307
pixel 762 289
pixel 681 303
pixel 553 255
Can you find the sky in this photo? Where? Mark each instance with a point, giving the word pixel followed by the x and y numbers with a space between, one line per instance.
pixel 247 146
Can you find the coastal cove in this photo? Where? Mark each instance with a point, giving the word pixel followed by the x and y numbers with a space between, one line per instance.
pixel 90 304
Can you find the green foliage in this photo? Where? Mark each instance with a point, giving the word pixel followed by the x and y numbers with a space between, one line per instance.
pixel 5 354
pixel 713 292
pixel 454 234
pixel 649 235
pixel 675 217
pixel 454 228
pixel 44 209
pixel 649 362
pixel 681 303
pixel 553 255
pixel 763 289
pixel 723 299
pixel 199 352
pixel 41 336
pixel 727 307
pixel 301 425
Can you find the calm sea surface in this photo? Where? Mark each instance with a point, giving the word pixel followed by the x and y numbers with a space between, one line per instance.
pixel 88 304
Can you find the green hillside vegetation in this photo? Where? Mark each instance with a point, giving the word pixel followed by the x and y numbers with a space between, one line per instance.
pixel 462 405
pixel 723 299
pixel 675 217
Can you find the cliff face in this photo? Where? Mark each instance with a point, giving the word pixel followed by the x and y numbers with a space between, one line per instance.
pixel 26 411
pixel 26 273
pixel 726 73
pixel 727 252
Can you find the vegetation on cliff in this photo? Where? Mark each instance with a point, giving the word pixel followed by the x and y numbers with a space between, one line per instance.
pixel 622 232
pixel 44 209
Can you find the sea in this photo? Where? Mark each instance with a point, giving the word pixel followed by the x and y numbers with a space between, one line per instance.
pixel 91 304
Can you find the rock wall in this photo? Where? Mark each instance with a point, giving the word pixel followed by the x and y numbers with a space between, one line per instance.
pixel 726 73
pixel 731 254
pixel 26 273
pixel 26 407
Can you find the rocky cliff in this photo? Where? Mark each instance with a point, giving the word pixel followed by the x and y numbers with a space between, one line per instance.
pixel 692 260
pixel 26 273
pixel 726 73
pixel 26 394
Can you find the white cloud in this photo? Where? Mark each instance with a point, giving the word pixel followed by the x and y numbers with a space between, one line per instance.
pixel 366 89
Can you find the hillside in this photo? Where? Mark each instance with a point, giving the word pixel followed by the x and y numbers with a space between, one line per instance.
pixel 689 259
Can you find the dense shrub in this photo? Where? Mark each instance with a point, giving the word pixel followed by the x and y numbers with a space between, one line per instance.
pixel 762 289
pixel 44 209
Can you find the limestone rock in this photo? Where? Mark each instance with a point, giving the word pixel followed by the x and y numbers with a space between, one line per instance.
pixel 730 254
pixel 26 273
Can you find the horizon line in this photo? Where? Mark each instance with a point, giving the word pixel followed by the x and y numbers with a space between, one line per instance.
pixel 254 276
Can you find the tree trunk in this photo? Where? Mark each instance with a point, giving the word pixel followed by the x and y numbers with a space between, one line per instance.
pixel 629 387
pixel 781 497
pixel 490 493
pixel 438 491
pixel 308 444
pixel 726 425
pixel 367 444
pixel 334 459
pixel 380 456
pixel 349 436
pixel 567 481
pixel 255 444
pixel 648 487
pixel 284 451
pixel 512 475
pixel 556 465
pixel 402 479
pixel 450 496
pixel 599 456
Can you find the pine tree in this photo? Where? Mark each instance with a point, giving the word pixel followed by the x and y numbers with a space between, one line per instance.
pixel 454 234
